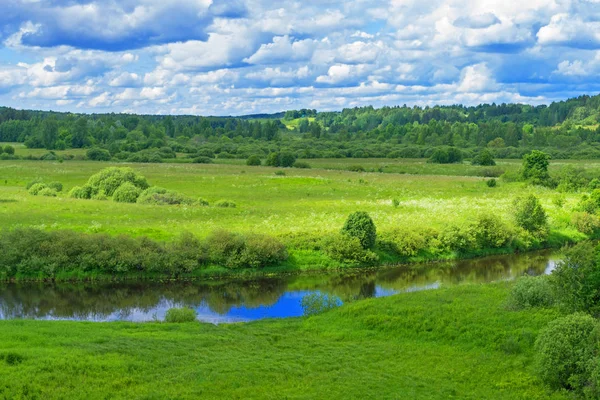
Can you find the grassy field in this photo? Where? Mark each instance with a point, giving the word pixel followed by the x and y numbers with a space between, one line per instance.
pixel 313 201
pixel 455 343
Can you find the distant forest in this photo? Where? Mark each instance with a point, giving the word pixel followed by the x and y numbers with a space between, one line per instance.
pixel 566 129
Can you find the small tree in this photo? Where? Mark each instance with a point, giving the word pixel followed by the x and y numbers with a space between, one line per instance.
pixel 529 214
pixel 535 168
pixel 253 160
pixel 8 149
pixel 484 158
pixel 361 226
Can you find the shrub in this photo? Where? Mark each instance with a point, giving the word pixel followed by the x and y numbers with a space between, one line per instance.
pixel 202 160
pixel 491 183
pixel 37 188
pixel 585 222
pixel 280 173
pixel 84 192
pixel 100 196
pixel 566 353
pixel 202 202
pixel 48 192
pixel 159 196
pixel 485 157
pixel 301 164
pixel 253 160
pixel 531 291
pixel 490 232
pixel 529 214
pixel 448 155
pixel 244 251
pixel 97 154
pixel 50 156
pixel 180 315
pixel 8 149
pixel 225 204
pixel 33 182
pixel 454 238
pixel 361 226
pixel 395 202
pixel 56 186
pixel 317 303
pixel 407 243
pixel 109 179
pixel 126 193
pixel 356 168
pixel 348 250
pixel 284 159
pixel 577 279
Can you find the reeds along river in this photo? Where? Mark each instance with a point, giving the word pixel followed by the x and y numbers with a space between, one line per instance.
pixel 235 300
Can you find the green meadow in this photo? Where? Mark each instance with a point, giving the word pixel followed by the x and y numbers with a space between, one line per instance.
pixel 453 343
pixel 313 201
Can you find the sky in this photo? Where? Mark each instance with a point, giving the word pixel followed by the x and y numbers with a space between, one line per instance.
pixel 235 57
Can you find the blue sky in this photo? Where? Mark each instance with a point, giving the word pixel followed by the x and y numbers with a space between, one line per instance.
pixel 233 57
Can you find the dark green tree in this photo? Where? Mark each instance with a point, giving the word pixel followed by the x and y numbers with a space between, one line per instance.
pixel 361 226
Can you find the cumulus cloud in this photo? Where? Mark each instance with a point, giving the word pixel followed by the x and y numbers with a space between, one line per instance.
pixel 246 56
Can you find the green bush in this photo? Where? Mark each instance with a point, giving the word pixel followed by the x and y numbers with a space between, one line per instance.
pixel 37 188
pixel 8 149
pixel 84 192
pixel 159 196
pixel 485 158
pixel 459 239
pixel 567 354
pixel 301 164
pixel 490 232
pixel 535 168
pixel 253 160
pixel 244 251
pixel 56 186
pixel 126 193
pixel 317 303
pixel 202 202
pixel 180 315
pixel 531 291
pixel 585 222
pixel 491 183
pixel 361 226
pixel 280 173
pixel 47 192
pixel 109 179
pixel 202 160
pixel 97 154
pixel 529 214
pixel 448 155
pixel 348 250
pixel 225 204
pixel 356 168
pixel 406 242
pixel 33 182
pixel 284 159
pixel 577 279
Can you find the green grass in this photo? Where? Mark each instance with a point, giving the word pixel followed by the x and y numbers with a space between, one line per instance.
pixel 455 343
pixel 312 201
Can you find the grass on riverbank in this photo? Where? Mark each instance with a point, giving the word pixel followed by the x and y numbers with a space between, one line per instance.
pixel 458 343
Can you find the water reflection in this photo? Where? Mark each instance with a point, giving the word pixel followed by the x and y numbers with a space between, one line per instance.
pixel 233 300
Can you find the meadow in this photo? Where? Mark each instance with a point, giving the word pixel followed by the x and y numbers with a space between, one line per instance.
pixel 454 343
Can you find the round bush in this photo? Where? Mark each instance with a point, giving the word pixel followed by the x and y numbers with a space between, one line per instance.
pixel 56 186
pixel 301 164
pixel 531 291
pixel 202 202
pixel 202 160
pixel 79 192
pixel 361 226
pixel 97 154
pixel 126 193
pixel 491 183
pixel 159 196
pixel 109 179
pixel 253 161
pixel 33 182
pixel 37 188
pixel 565 352
pixel 8 149
pixel 48 192
pixel 180 315
pixel 529 214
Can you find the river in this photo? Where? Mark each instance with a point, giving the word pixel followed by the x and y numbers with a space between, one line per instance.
pixel 247 300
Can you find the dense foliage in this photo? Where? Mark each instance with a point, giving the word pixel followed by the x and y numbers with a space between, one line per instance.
pixel 32 253
pixel 567 129
pixel 359 225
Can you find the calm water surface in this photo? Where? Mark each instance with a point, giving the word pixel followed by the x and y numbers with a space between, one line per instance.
pixel 235 300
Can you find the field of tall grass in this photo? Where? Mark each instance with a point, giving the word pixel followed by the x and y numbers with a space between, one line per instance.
pixel 456 343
